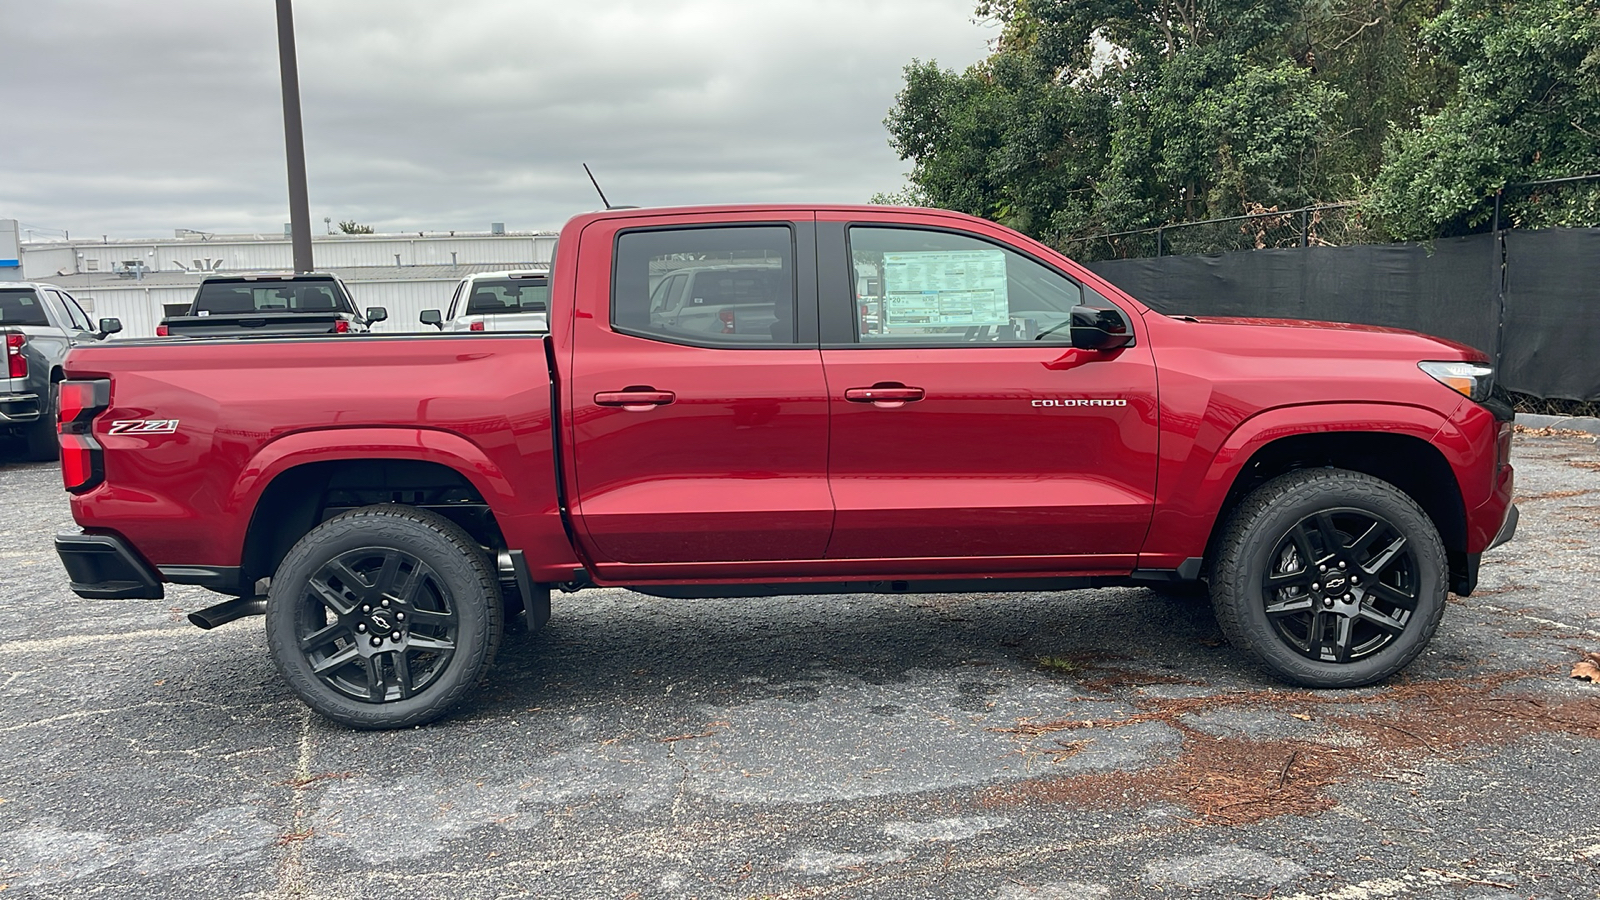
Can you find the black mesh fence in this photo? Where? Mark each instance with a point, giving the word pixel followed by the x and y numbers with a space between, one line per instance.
pixel 1527 292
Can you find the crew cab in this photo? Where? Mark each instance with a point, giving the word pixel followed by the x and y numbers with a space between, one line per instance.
pixel 287 304
pixel 496 301
pixel 936 404
pixel 39 323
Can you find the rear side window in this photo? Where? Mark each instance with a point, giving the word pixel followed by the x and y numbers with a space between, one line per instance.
pixel 244 298
pixel 707 286
pixel 508 295
pixel 21 307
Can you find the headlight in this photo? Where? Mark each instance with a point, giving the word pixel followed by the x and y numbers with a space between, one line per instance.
pixel 1471 380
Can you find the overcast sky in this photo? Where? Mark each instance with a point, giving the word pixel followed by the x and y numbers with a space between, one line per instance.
pixel 135 118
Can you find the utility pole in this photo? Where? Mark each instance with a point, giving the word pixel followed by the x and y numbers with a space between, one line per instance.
pixel 294 141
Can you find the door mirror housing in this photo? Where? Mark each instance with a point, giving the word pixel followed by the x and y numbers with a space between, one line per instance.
pixel 432 317
pixel 377 314
pixel 1100 329
pixel 109 327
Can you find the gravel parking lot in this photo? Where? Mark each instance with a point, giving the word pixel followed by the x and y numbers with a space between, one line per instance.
pixel 1097 744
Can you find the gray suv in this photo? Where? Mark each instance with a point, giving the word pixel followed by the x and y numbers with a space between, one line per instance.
pixel 39 323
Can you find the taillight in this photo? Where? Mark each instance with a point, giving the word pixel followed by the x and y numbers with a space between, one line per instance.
pixel 161 331
pixel 16 363
pixel 82 458
pixel 475 326
pixel 341 327
pixel 726 315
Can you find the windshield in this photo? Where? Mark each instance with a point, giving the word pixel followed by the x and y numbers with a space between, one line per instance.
pixel 21 307
pixel 509 295
pixel 226 298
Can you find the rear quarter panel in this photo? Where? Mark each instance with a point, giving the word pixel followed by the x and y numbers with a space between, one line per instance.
pixel 249 410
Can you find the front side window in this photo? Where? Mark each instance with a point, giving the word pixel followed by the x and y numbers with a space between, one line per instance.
pixel 916 286
pixel 21 306
pixel 706 286
pixel 73 320
pixel 76 309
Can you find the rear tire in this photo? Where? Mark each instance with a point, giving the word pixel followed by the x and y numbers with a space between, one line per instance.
pixel 43 444
pixel 384 617
pixel 1330 578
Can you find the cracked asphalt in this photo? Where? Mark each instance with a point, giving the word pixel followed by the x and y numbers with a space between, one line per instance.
pixel 1097 744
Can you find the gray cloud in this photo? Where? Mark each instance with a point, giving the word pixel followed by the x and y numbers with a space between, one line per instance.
pixel 131 119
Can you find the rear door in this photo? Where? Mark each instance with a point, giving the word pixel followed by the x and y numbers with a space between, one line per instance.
pixel 964 425
pixel 699 444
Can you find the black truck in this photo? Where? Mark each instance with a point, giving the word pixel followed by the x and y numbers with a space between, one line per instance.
pixel 280 305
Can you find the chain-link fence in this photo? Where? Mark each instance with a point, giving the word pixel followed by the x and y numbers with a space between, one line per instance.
pixel 1551 203
pixel 1332 225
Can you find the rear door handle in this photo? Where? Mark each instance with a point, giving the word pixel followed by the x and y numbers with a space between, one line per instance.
pixel 885 396
pixel 635 401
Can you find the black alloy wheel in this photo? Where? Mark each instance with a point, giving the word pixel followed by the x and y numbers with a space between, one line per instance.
pixel 376 625
pixel 1341 585
pixel 1331 578
pixel 383 617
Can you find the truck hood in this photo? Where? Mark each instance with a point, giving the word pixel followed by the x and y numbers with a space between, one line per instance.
pixel 1310 334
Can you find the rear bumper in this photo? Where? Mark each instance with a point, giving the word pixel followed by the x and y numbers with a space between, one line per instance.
pixel 104 567
pixel 19 409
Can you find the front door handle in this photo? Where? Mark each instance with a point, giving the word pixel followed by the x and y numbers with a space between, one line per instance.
pixel 885 396
pixel 635 400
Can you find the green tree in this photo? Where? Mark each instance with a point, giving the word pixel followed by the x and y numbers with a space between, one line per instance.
pixel 351 227
pixel 1103 115
pixel 1527 108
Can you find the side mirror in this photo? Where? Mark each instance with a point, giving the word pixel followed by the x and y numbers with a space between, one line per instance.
pixel 1100 329
pixel 109 327
pixel 377 314
pixel 432 317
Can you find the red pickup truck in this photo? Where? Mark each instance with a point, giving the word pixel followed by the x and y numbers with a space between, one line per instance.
pixel 742 401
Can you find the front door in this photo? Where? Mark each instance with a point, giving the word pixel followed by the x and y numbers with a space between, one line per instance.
pixel 965 427
pixel 701 438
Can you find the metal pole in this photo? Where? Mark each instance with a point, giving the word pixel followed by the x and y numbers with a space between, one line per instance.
pixel 1305 228
pixel 294 141
pixel 1159 234
pixel 1499 281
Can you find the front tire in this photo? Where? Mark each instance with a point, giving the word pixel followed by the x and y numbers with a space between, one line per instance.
pixel 1330 578
pixel 383 617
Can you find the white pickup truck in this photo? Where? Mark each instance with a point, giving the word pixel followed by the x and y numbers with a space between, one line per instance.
pixel 497 301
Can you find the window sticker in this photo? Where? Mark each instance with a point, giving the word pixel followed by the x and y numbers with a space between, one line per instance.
pixel 935 289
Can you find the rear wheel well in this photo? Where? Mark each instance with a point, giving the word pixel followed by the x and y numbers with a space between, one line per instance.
pixel 303 497
pixel 1410 464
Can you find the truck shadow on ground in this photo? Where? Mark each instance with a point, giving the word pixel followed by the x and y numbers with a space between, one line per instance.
pixel 628 649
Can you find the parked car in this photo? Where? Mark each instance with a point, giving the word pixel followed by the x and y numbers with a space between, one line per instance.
pixel 1007 421
pixel 39 324
pixel 718 299
pixel 496 301
pixel 303 304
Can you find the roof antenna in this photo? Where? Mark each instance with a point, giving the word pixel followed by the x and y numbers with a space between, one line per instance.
pixel 597 187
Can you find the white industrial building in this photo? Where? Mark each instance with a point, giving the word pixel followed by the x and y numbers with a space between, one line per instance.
pixel 140 281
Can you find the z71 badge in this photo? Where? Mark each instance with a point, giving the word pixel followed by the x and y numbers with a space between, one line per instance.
pixel 144 426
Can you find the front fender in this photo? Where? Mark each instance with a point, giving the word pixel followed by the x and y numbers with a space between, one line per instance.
pixel 1192 486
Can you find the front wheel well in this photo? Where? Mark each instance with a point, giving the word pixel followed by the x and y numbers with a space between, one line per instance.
pixel 1409 463
pixel 301 498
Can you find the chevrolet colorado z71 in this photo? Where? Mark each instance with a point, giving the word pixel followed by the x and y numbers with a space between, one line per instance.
pixel 932 403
